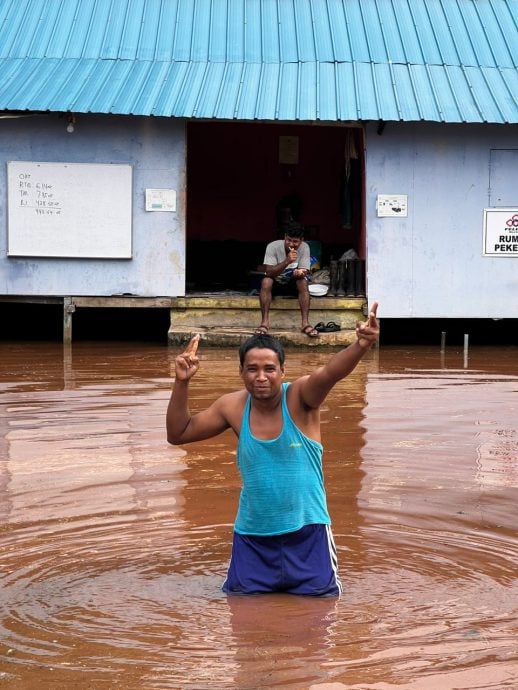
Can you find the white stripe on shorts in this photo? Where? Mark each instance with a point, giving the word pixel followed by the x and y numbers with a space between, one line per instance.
pixel 333 556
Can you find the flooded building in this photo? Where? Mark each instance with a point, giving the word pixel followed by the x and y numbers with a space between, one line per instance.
pixel 149 150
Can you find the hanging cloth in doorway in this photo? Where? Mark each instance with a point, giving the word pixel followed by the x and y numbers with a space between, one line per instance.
pixel 346 201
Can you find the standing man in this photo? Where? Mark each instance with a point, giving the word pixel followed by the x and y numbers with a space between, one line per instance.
pixel 282 532
pixel 286 270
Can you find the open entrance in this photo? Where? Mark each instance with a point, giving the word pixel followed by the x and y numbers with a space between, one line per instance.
pixel 242 178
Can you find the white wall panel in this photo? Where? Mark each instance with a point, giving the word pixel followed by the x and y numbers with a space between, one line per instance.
pixel 430 264
pixel 155 149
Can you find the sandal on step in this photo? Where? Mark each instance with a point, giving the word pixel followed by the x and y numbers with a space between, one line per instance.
pixel 261 330
pixel 310 331
pixel 320 327
pixel 332 326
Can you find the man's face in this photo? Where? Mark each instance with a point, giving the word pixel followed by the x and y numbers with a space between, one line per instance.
pixel 292 242
pixel 262 373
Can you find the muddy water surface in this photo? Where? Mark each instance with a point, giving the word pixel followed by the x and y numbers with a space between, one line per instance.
pixel 114 545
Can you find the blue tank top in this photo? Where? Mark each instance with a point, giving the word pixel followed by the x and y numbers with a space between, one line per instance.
pixel 283 483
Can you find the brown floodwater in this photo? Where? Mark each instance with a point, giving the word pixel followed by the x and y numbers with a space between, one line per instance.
pixel 114 545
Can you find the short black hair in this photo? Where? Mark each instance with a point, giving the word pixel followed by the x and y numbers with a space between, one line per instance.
pixel 261 340
pixel 294 230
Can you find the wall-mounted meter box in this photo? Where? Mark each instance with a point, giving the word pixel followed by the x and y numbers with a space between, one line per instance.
pixel 160 200
pixel 391 205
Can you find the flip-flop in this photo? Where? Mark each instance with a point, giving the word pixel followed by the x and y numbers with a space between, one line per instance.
pixel 310 331
pixel 332 326
pixel 320 327
pixel 261 330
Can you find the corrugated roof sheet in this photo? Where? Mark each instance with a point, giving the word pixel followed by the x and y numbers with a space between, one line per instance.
pixel 329 60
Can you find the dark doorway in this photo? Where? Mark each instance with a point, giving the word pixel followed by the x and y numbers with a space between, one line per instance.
pixel 240 175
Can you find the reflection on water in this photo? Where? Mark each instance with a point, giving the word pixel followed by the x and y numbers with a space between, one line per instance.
pixel 114 545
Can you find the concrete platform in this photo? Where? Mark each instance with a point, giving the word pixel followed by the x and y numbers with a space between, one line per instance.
pixel 226 320
pixel 233 337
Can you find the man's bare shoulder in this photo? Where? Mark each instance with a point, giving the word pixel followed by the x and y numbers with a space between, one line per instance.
pixel 293 390
pixel 233 396
pixel 232 401
pixel 231 407
pixel 297 393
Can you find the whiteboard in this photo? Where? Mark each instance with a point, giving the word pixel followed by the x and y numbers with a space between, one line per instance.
pixel 69 210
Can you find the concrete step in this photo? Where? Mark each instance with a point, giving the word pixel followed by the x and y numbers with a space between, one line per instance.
pixel 226 320
pixel 233 337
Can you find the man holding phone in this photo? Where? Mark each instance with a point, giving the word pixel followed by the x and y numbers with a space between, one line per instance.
pixel 286 270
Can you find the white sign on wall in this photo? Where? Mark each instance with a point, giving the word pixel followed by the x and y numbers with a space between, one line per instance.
pixel 391 205
pixel 500 232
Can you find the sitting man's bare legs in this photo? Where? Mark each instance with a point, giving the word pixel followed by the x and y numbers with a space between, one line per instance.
pixel 304 302
pixel 265 300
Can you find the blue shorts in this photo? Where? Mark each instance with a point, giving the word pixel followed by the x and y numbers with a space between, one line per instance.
pixel 301 562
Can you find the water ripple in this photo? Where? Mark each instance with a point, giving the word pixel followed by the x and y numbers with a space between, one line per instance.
pixel 114 545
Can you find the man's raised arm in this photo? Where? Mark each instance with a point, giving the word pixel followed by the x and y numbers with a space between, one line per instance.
pixel 182 427
pixel 178 413
pixel 317 385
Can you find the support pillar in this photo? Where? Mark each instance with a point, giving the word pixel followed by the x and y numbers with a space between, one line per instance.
pixel 68 309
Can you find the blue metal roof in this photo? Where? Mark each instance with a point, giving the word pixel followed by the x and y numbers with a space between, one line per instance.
pixel 329 60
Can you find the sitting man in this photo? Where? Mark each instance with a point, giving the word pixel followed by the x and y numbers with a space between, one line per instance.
pixel 286 270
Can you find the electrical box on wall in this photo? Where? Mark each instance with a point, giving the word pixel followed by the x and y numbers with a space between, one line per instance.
pixel 391 205
pixel 160 200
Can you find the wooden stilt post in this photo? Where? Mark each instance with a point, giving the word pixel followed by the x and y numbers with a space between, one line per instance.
pixel 68 309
